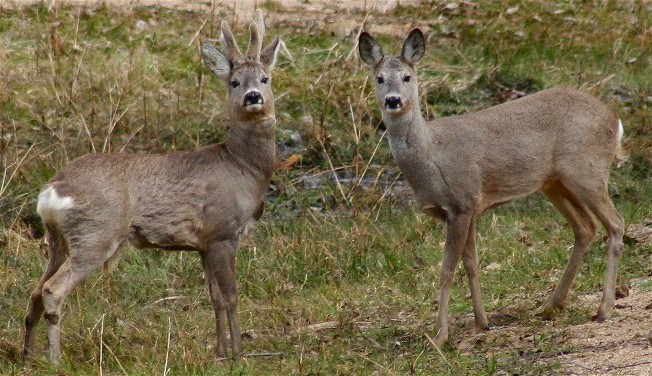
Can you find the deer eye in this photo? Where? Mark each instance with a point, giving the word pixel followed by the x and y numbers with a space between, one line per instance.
pixel 407 79
pixel 380 80
pixel 235 83
pixel 264 80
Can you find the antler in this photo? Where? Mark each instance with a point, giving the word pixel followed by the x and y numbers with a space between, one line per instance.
pixel 257 31
pixel 228 42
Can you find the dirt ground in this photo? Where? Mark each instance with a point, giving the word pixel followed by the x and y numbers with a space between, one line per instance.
pixel 620 346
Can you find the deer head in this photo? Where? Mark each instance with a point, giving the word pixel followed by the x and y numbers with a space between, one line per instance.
pixel 396 81
pixel 247 76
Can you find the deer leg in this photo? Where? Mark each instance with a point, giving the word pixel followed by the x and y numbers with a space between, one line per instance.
pixel 83 259
pixel 470 261
pixel 596 198
pixel 57 253
pixel 584 228
pixel 221 260
pixel 612 220
pixel 457 230
pixel 607 213
pixel 219 307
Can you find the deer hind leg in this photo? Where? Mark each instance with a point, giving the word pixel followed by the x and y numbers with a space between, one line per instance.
pixel 593 193
pixel 470 261
pixel 85 256
pixel 219 260
pixel 457 230
pixel 598 200
pixel 584 228
pixel 57 253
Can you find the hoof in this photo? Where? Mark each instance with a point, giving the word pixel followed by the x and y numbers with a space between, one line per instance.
pixel 598 318
pixel 551 313
pixel 482 328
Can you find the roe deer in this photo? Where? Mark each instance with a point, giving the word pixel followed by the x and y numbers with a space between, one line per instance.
pixel 203 200
pixel 559 141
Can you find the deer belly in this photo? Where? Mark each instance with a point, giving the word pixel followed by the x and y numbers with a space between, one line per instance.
pixel 173 234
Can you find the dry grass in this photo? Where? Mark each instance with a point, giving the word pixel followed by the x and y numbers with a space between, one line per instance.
pixel 341 277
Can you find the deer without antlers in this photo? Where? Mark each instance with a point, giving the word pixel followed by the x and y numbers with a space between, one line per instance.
pixel 204 200
pixel 560 142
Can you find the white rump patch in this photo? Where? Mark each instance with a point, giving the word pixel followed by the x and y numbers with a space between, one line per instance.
pixel 50 205
pixel 621 155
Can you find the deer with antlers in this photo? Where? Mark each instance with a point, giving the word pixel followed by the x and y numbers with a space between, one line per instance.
pixel 204 200
pixel 560 142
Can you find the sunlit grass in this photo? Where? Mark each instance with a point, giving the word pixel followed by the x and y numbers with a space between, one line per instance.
pixel 360 259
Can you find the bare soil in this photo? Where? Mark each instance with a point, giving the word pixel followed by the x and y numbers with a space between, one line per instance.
pixel 620 346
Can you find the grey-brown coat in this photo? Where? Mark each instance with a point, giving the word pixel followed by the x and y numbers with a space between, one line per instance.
pixel 204 200
pixel 559 141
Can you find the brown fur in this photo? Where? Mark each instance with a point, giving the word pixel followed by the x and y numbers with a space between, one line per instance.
pixel 560 142
pixel 204 200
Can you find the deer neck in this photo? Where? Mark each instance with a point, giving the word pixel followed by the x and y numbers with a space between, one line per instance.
pixel 251 145
pixel 404 131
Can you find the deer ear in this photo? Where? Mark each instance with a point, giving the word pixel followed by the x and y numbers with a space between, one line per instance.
pixel 414 46
pixel 268 54
pixel 369 49
pixel 215 61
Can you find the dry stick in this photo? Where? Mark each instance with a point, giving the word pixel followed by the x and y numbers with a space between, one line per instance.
pixel 5 182
pixel 414 364
pixel 330 164
pixel 167 350
pixel 101 342
pixel 570 361
pixel 167 299
pixel 75 78
pixel 116 359
pixel 364 171
pixel 264 354
pixel 387 371
pixel 194 37
pixel 357 37
pixel 131 137
pixel 302 178
pixel 284 50
pixel 437 348
pixel 53 79
pixel 85 125
pixel 630 365
pixel 356 139
pixel 115 118
pixel 114 121
pixel 378 203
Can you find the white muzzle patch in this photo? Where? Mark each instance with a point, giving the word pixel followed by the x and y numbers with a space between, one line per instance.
pixel 253 107
pixel 253 101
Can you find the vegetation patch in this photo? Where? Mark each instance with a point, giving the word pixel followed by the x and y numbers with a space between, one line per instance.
pixel 342 275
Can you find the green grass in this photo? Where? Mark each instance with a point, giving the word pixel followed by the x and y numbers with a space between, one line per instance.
pixel 367 261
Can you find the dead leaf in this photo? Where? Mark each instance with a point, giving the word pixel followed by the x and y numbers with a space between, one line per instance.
pixel 290 162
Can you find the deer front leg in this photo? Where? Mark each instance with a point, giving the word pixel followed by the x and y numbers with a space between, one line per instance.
pixel 219 264
pixel 457 229
pixel 218 306
pixel 470 261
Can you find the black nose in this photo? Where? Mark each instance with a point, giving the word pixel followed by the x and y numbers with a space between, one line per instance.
pixel 253 97
pixel 393 102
